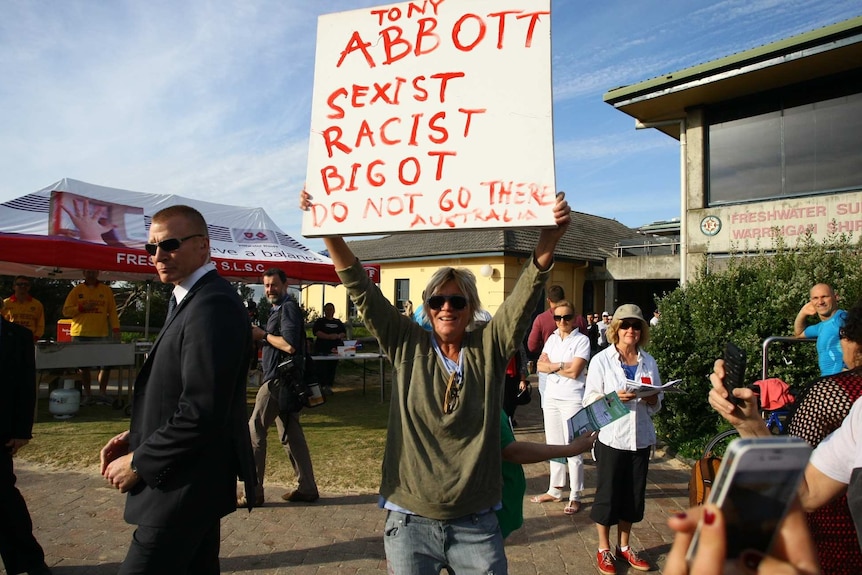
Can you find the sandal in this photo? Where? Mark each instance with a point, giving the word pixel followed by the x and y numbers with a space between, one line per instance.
pixel 572 507
pixel 545 498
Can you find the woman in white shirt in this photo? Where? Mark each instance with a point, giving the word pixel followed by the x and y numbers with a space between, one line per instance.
pixel 563 358
pixel 623 448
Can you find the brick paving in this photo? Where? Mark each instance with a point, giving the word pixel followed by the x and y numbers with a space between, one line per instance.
pixel 78 520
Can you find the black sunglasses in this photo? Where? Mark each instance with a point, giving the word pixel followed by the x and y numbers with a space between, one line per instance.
pixel 436 302
pixel 453 391
pixel 567 317
pixel 635 325
pixel 169 245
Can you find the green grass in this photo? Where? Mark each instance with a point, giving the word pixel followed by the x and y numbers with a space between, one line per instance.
pixel 345 436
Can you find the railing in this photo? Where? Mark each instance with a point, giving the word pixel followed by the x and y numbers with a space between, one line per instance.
pixel 779 339
pixel 648 248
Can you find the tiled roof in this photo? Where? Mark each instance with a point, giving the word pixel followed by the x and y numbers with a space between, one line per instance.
pixel 589 238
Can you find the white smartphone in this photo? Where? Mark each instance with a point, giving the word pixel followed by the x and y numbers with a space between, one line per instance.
pixel 754 488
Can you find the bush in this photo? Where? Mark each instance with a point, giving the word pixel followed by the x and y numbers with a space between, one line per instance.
pixel 754 296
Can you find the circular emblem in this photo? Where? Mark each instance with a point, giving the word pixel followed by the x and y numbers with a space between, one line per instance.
pixel 710 225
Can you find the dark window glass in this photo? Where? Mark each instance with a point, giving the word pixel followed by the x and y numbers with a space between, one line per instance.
pixel 745 159
pixel 402 292
pixel 823 145
pixel 799 141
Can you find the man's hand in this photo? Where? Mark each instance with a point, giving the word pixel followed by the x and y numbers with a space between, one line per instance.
pixel 257 334
pixel 14 444
pixel 119 473
pixel 808 310
pixel 116 447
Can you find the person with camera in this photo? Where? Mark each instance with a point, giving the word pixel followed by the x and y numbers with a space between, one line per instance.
pixel 282 335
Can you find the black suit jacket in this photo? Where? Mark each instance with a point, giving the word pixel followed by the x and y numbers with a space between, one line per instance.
pixel 18 373
pixel 189 429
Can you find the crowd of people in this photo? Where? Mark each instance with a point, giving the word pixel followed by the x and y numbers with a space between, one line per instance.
pixel 451 462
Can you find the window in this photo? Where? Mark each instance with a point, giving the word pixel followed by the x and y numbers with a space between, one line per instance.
pixel 800 141
pixel 402 292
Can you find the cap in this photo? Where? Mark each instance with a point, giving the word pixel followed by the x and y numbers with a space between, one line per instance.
pixel 604 313
pixel 629 311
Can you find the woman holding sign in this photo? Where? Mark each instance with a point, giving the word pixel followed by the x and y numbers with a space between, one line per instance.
pixel 441 468
pixel 623 449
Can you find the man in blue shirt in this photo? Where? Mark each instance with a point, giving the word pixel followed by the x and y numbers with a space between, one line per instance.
pixel 824 304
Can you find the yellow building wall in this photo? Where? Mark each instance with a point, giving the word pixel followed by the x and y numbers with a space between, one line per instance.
pixel 492 289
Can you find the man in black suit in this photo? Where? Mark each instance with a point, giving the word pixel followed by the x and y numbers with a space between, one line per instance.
pixel 188 440
pixel 20 551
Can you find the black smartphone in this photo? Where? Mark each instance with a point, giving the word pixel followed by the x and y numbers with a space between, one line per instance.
pixel 734 370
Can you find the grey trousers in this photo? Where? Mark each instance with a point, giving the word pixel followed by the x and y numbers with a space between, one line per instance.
pixel 265 412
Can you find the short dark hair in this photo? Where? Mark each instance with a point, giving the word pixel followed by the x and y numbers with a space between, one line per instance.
pixel 194 217
pixel 556 293
pixel 276 272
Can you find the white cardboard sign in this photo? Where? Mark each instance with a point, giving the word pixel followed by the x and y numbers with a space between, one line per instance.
pixel 433 114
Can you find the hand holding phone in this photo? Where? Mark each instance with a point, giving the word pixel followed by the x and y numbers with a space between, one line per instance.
pixel 734 370
pixel 756 484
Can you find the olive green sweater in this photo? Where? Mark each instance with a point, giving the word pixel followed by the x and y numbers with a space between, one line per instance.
pixel 440 465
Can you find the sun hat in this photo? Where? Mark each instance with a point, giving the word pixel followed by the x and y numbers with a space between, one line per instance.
pixel 604 313
pixel 629 311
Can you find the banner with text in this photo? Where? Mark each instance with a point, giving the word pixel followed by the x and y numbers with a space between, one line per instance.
pixel 432 114
pixel 758 225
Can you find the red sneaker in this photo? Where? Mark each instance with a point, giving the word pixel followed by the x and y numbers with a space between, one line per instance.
pixel 633 559
pixel 606 562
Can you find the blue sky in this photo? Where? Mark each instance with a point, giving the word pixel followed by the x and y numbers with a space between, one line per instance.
pixel 211 99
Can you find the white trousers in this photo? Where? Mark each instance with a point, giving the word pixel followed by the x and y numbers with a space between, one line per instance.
pixel 556 413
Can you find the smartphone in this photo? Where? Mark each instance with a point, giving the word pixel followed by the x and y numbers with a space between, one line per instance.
pixel 755 485
pixel 734 370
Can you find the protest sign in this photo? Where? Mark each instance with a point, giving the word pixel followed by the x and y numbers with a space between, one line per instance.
pixel 433 114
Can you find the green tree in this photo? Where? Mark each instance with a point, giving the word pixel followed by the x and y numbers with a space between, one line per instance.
pixel 745 299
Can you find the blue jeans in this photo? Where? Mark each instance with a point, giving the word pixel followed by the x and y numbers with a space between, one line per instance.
pixel 469 545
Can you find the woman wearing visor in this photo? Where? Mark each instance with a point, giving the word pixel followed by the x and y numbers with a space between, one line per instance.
pixel 623 448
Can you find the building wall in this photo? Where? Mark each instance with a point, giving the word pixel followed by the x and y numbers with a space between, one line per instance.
pixel 492 290
pixel 644 267
pixel 730 228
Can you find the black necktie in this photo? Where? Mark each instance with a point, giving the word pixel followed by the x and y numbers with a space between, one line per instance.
pixel 172 304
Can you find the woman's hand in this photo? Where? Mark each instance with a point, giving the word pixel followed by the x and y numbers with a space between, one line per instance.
pixel 548 237
pixel 793 552
pixel 626 396
pixel 746 417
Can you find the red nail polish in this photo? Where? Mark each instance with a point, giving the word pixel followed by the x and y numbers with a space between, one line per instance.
pixel 680 515
pixel 708 516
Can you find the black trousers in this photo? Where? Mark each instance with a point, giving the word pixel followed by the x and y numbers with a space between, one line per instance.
pixel 620 485
pixel 188 549
pixel 18 548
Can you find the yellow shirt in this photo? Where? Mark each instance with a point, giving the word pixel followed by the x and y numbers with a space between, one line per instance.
pixel 28 313
pixel 100 316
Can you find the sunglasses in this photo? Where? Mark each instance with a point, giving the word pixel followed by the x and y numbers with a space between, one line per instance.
pixel 436 302
pixel 453 389
pixel 169 245
pixel 635 325
pixel 567 317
